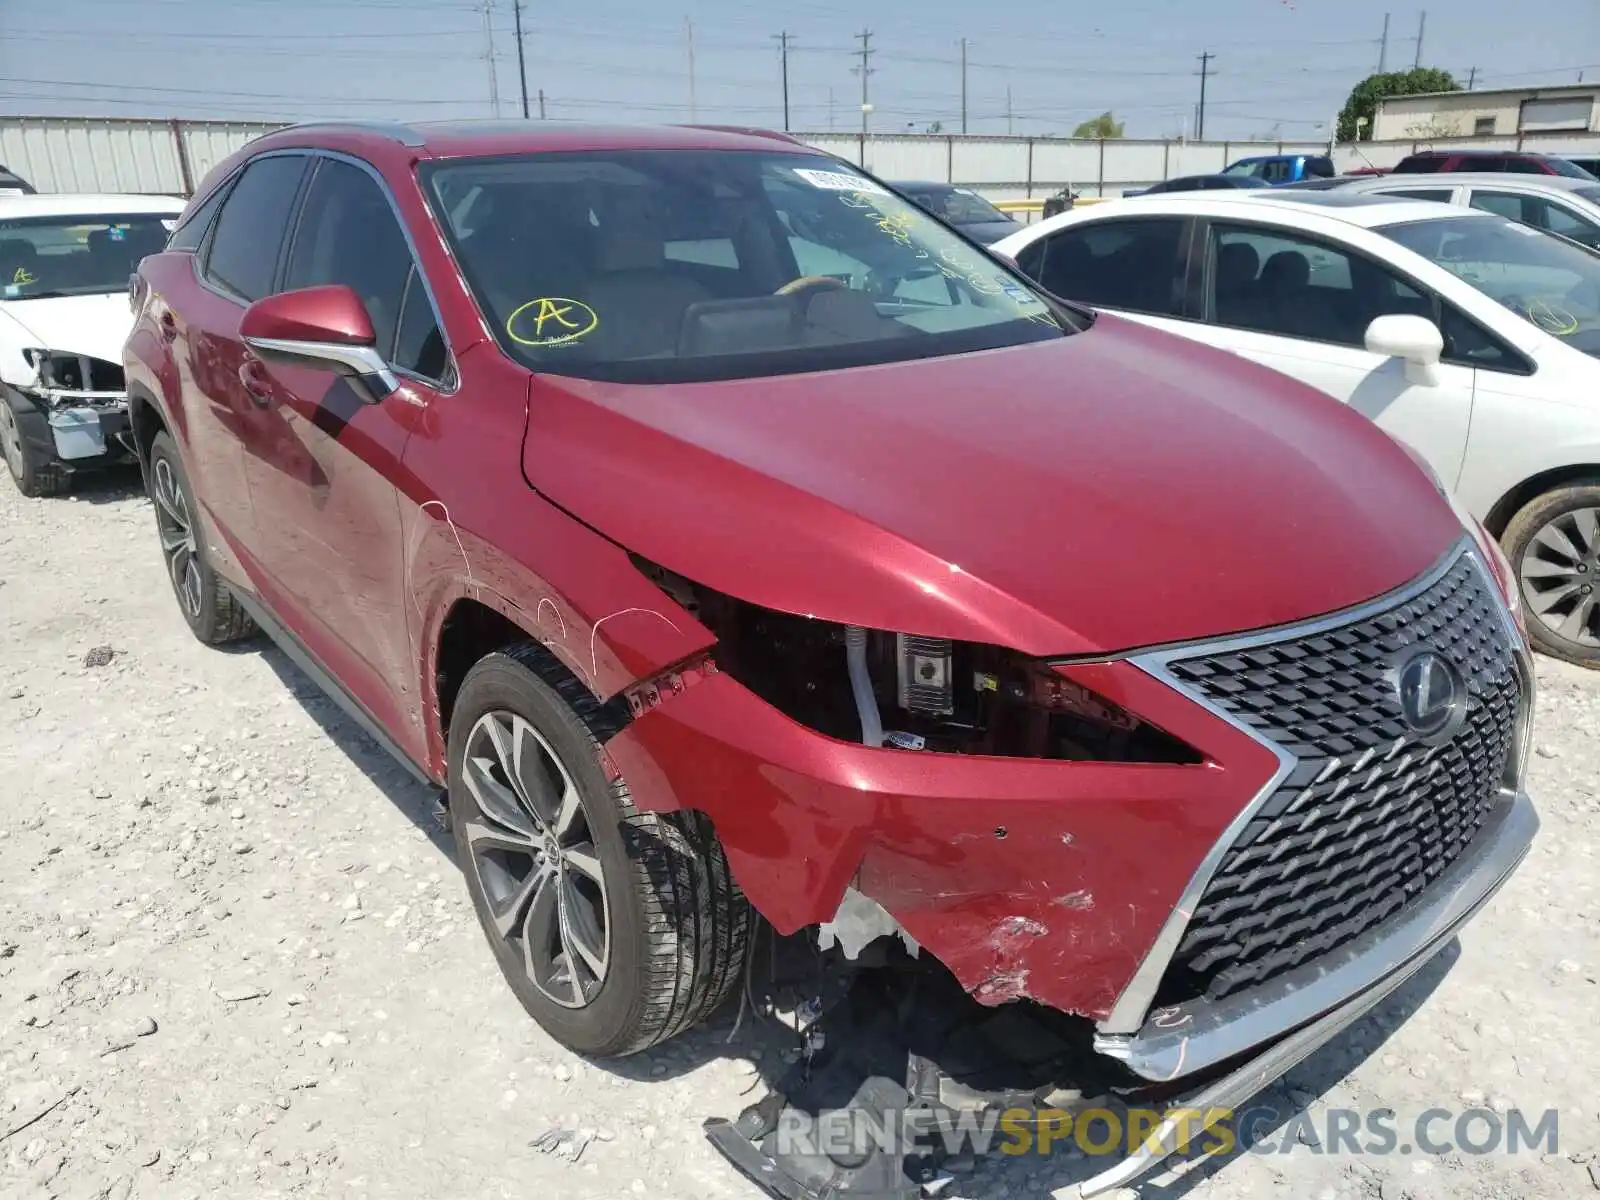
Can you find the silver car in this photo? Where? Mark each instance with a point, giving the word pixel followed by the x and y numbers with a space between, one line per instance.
pixel 1554 203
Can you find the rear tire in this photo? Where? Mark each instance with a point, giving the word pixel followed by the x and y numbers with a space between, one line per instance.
pixel 657 942
pixel 34 474
pixel 210 609
pixel 1553 544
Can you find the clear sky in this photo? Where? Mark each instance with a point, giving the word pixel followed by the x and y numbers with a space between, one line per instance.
pixel 1281 67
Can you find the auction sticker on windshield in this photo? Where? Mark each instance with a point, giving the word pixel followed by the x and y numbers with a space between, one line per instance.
pixel 839 181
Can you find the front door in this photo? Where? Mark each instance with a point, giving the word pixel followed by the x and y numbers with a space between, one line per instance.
pixel 1302 306
pixel 326 484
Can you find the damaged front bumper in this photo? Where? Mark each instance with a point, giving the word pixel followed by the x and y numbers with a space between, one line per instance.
pixel 85 425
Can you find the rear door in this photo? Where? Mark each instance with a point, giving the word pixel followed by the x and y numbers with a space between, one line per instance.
pixel 237 264
pixel 1302 305
pixel 327 484
pixel 1132 265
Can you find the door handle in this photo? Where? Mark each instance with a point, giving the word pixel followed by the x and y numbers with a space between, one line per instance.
pixel 253 378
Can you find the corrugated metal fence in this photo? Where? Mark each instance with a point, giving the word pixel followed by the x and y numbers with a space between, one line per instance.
pixel 113 154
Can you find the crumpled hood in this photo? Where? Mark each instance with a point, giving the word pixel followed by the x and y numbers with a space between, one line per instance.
pixel 1118 488
pixel 96 325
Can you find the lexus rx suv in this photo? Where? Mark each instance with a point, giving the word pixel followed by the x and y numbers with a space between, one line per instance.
pixel 723 535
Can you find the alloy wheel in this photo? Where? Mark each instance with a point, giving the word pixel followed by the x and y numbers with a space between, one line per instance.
pixel 177 538
pixel 533 851
pixel 11 441
pixel 1560 570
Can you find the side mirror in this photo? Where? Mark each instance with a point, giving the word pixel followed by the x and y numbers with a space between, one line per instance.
pixel 324 327
pixel 1415 339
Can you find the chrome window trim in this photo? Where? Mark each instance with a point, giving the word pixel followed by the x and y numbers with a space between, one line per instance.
pixel 1132 1008
pixel 363 360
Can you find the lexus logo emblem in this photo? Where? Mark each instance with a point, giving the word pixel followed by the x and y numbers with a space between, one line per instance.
pixel 1432 695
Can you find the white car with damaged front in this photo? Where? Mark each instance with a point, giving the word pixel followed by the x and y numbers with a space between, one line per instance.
pixel 1471 338
pixel 65 261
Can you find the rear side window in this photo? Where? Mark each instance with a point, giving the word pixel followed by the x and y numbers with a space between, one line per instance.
pixel 249 234
pixel 1439 195
pixel 192 232
pixel 1419 165
pixel 1131 265
pixel 348 234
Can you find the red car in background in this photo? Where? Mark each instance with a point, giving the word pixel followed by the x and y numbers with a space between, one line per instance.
pixel 719 530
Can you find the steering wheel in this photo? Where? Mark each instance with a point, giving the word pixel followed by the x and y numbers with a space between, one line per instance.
pixel 809 283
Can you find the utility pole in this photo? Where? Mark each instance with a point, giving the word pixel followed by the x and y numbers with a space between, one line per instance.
pixel 963 85
pixel 1422 26
pixel 866 52
pixel 522 65
pixel 694 108
pixel 830 110
pixel 1011 126
pixel 488 36
pixel 1472 78
pixel 1383 47
pixel 541 104
pixel 1200 113
pixel 783 50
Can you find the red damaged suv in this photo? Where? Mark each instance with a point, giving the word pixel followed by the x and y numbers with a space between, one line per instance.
pixel 721 531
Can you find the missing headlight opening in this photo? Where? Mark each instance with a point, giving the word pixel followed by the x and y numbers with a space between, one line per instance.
pixel 931 694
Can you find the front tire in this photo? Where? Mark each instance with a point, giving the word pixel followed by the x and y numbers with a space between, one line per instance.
pixel 616 929
pixel 35 474
pixel 1553 544
pixel 210 609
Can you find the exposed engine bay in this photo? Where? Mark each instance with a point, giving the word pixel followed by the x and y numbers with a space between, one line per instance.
pixel 915 693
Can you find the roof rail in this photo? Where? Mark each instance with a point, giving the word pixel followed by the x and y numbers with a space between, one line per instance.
pixel 397 130
pixel 750 131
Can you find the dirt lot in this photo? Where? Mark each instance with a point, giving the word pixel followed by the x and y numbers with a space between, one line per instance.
pixel 236 959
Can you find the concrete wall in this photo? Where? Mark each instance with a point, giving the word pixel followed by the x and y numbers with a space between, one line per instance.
pixel 81 154
pixel 1457 114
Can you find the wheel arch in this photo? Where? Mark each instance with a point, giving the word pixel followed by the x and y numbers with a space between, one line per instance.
pixel 1507 507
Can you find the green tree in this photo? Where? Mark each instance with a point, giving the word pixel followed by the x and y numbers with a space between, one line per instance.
pixel 1363 103
pixel 1103 126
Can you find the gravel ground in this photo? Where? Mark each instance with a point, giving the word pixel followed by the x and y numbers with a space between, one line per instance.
pixel 236 959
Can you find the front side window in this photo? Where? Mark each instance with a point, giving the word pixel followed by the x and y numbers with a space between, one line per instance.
pixel 1249 170
pixel 249 231
pixel 1551 283
pixel 75 256
pixel 1133 265
pixel 653 266
pixel 349 234
pixel 1275 281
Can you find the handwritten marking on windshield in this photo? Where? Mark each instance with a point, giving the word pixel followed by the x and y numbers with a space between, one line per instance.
pixel 555 321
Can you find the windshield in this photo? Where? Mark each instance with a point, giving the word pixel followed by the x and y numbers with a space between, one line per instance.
pixel 1591 194
pixel 654 266
pixel 959 206
pixel 1549 281
pixel 76 256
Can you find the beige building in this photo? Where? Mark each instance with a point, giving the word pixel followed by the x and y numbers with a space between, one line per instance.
pixel 1503 112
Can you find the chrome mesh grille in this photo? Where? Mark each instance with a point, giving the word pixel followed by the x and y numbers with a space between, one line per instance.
pixel 1369 816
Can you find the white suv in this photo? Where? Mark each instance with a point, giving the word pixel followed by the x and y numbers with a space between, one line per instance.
pixel 65 262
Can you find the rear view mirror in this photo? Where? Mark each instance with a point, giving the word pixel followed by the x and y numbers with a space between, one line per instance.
pixel 326 327
pixel 1417 340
